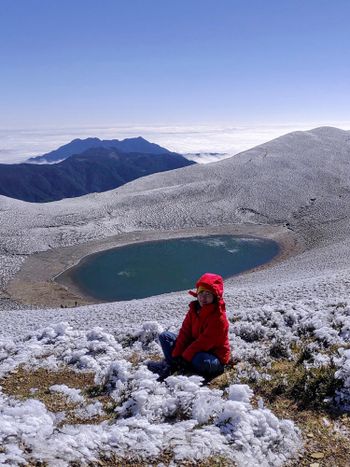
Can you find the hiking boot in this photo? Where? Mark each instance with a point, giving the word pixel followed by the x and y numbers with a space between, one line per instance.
pixel 161 368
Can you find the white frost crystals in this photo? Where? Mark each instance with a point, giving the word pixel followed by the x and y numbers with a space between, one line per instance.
pixel 343 373
pixel 180 415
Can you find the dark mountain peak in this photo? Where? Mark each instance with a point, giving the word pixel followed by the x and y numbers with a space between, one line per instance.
pixel 93 153
pixel 78 146
pixel 94 170
pixel 84 140
pixel 137 138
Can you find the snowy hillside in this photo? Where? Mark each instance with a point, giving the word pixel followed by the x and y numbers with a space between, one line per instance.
pixel 207 157
pixel 290 323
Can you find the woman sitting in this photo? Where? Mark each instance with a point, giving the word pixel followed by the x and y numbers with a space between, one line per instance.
pixel 202 346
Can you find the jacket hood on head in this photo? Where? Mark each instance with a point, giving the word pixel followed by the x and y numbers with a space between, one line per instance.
pixel 212 282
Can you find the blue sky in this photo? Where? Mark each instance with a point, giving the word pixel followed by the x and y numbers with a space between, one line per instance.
pixel 113 62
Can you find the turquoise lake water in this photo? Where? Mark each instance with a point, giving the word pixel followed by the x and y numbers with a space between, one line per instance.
pixel 152 268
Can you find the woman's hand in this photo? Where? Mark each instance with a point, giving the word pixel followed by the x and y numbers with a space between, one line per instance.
pixel 179 363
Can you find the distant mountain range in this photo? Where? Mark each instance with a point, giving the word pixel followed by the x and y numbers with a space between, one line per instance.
pixel 78 146
pixel 96 169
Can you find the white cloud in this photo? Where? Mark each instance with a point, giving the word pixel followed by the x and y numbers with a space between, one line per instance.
pixel 17 145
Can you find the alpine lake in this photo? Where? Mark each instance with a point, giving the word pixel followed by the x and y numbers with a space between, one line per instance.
pixel 145 269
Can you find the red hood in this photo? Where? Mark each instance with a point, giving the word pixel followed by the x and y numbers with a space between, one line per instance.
pixel 212 282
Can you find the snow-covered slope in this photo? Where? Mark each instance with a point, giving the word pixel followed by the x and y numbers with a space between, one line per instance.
pixel 207 157
pixel 300 180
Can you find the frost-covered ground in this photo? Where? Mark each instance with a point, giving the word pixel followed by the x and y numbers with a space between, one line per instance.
pixel 194 422
pixel 301 181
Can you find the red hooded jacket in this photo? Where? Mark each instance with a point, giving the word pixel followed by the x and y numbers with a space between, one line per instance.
pixel 205 329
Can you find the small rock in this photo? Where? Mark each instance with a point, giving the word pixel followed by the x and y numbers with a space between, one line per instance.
pixel 315 464
pixel 310 435
pixel 317 455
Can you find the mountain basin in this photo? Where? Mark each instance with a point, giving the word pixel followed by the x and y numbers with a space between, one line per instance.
pixel 151 268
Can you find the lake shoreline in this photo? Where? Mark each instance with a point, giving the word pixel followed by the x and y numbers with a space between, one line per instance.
pixel 44 280
pixel 158 267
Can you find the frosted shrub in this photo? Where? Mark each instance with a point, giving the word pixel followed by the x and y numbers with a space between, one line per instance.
pixel 345 330
pixel 98 334
pixel 250 332
pixel 188 441
pixel 22 424
pixel 144 396
pixel 183 391
pixel 7 348
pixel 318 360
pixel 246 371
pixel 327 335
pixel 74 395
pixel 257 435
pixel 50 334
pixel 207 405
pixel 239 393
pixel 116 372
pixel 290 318
pixel 149 332
pixel 90 410
pixel 280 348
pixel 342 396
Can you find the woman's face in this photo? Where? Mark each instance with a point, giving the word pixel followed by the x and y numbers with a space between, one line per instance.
pixel 205 297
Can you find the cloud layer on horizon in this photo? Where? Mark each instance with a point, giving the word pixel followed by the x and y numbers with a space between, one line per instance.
pixel 18 145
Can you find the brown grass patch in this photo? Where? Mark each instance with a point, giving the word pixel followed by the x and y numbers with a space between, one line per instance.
pixel 297 393
pixel 25 383
pixel 166 459
pixel 135 358
pixel 308 388
pixel 321 432
pixel 224 380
